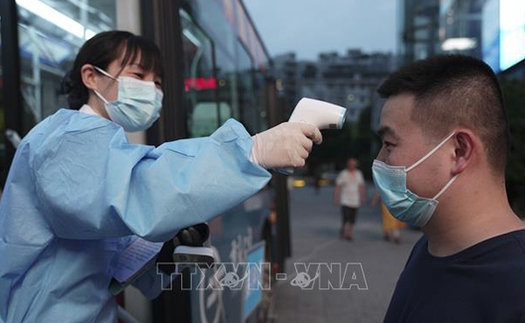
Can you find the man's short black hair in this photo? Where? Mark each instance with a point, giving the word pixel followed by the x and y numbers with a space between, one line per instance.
pixel 455 90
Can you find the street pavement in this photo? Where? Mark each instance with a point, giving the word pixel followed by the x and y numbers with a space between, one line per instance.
pixel 315 224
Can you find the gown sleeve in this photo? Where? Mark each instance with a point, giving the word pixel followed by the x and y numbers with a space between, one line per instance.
pixel 92 184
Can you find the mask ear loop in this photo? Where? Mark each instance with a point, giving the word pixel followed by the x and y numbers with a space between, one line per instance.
pixel 101 71
pixel 431 152
pixel 100 96
pixel 452 180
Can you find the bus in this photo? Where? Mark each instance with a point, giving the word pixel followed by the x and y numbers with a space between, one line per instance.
pixel 216 68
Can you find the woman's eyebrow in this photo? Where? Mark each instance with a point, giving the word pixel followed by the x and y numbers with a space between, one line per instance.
pixel 136 65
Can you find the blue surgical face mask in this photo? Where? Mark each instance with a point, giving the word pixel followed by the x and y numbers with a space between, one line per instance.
pixel 138 103
pixel 390 181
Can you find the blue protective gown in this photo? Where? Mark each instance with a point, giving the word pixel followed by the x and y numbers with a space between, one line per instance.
pixel 78 191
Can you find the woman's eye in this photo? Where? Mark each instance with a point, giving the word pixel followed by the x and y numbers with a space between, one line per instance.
pixel 139 75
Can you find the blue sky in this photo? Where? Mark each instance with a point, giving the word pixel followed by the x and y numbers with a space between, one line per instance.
pixel 308 27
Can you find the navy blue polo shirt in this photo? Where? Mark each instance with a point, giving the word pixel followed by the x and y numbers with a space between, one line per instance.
pixel 483 283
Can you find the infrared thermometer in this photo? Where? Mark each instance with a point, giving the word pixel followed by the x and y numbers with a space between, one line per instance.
pixel 321 114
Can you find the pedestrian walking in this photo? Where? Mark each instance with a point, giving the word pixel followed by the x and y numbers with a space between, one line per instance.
pixel 349 193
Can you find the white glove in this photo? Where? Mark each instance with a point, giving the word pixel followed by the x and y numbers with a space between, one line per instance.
pixel 285 145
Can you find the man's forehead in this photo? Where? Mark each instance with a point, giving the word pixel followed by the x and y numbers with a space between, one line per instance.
pixel 395 116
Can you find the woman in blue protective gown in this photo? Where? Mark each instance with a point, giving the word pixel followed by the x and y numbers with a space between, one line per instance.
pixel 78 192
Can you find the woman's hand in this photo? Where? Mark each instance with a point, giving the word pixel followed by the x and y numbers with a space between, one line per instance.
pixel 285 145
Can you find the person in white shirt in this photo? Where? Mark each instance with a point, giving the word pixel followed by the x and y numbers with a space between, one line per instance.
pixel 349 193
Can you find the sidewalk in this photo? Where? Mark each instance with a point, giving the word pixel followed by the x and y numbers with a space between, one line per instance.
pixel 315 224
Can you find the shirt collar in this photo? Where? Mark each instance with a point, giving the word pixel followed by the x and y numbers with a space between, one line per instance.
pixel 88 110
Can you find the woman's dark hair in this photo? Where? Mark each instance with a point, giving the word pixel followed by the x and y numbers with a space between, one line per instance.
pixel 103 49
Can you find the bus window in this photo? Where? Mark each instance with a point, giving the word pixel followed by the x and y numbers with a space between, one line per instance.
pixel 250 114
pixel 3 170
pixel 204 118
pixel 227 76
pixel 50 35
pixel 200 85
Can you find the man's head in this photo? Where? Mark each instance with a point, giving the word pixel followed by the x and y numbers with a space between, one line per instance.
pixel 451 91
pixel 351 164
pixel 430 99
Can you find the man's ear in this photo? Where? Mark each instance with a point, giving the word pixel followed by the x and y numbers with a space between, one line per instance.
pixel 88 75
pixel 466 145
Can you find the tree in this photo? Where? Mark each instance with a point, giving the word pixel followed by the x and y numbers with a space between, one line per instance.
pixel 354 140
pixel 514 94
pixel 363 142
pixel 336 148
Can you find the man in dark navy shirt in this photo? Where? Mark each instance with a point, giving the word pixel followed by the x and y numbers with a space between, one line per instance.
pixel 483 283
pixel 445 140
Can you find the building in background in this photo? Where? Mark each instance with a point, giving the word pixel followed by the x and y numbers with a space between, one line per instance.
pixel 460 26
pixel 418 24
pixel 503 30
pixel 429 27
pixel 285 70
pixel 492 30
pixel 348 80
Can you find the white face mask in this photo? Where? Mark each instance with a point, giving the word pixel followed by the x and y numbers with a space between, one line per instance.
pixel 390 182
pixel 138 103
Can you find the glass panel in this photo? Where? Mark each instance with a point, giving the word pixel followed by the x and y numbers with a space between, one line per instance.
pixel 245 89
pixel 205 113
pixel 51 33
pixel 259 88
pixel 3 170
pixel 227 76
